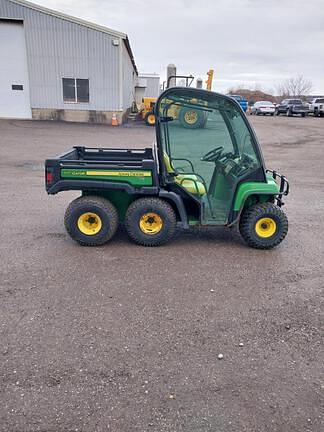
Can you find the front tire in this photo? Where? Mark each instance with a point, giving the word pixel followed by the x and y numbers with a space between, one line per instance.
pixel 150 221
pixel 149 118
pixel 263 226
pixel 91 220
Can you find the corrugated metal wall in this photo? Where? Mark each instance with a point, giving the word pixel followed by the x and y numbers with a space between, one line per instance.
pixel 152 86
pixel 57 48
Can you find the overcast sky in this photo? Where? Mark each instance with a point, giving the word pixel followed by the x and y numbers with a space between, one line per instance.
pixel 253 42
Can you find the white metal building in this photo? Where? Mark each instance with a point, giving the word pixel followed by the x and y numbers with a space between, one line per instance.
pixel 148 85
pixel 54 66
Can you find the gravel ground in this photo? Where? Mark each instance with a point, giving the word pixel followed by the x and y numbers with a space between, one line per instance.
pixel 127 339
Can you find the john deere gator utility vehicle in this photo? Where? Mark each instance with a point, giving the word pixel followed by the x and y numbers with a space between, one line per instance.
pixel 210 176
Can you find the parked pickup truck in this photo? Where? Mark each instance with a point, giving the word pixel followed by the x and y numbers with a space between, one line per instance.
pixel 317 107
pixel 290 107
pixel 241 101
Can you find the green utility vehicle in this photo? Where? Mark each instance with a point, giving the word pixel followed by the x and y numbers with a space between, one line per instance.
pixel 214 175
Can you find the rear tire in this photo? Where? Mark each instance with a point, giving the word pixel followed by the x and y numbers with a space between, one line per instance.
pixel 263 226
pixel 91 220
pixel 150 221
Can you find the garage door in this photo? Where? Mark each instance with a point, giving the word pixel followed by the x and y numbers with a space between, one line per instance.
pixel 14 85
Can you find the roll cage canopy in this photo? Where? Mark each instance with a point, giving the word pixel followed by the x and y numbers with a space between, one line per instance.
pixel 206 148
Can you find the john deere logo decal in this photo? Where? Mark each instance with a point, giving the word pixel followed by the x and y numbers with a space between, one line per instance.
pixel 103 173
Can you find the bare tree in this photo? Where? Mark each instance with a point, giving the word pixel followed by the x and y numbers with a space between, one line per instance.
pixel 297 86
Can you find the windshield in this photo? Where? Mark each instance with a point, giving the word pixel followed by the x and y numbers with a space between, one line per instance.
pixel 295 101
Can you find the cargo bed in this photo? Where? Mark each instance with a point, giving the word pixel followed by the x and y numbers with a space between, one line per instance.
pixel 84 168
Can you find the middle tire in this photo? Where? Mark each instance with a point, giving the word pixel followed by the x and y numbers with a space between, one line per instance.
pixel 150 221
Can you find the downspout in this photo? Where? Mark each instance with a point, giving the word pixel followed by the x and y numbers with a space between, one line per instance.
pixel 121 74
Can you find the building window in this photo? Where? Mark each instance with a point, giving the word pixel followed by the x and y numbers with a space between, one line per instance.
pixel 75 90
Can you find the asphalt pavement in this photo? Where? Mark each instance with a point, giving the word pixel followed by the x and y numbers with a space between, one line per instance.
pixel 127 339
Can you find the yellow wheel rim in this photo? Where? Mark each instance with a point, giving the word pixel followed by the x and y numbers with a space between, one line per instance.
pixel 89 223
pixel 150 223
pixel 191 117
pixel 151 119
pixel 265 227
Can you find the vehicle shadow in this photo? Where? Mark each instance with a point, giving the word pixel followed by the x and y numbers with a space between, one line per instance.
pixel 192 236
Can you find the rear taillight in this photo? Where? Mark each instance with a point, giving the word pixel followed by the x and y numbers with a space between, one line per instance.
pixel 49 176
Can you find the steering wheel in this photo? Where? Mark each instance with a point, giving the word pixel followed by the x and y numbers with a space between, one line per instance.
pixel 212 155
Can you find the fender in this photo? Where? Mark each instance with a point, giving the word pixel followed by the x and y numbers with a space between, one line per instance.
pixel 253 188
pixel 177 200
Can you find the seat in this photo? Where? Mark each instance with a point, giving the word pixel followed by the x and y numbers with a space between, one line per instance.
pixel 192 185
pixel 190 182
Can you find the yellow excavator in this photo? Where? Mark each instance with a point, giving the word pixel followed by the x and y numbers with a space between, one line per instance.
pixel 189 119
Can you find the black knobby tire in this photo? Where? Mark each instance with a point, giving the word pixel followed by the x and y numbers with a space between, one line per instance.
pixel 148 117
pixel 199 123
pixel 143 206
pixel 252 215
pixel 103 208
